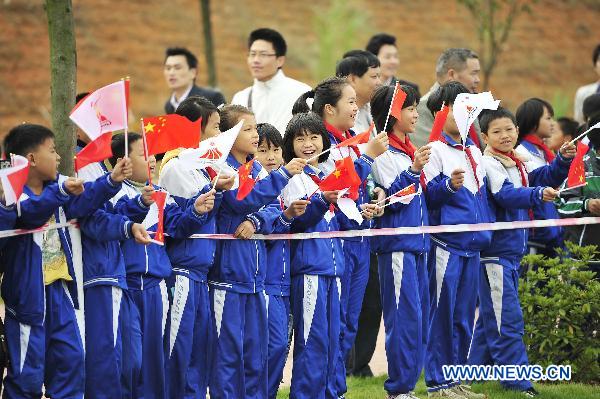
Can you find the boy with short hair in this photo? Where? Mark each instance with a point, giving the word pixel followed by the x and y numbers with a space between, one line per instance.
pixel 456 194
pixel 498 336
pixel 39 287
pixel 148 266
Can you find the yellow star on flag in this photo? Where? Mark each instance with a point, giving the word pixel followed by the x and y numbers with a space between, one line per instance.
pixel 149 127
pixel 337 173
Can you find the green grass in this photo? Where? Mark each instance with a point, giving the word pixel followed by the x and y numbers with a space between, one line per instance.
pixel 368 388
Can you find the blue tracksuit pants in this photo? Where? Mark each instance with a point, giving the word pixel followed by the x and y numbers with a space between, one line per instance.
pixel 498 337
pixel 278 315
pixel 354 282
pixel 188 339
pixel 103 344
pixel 404 283
pixel 453 288
pixel 50 354
pixel 316 311
pixel 152 304
pixel 240 345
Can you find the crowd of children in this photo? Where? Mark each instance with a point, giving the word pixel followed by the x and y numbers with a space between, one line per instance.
pixel 202 315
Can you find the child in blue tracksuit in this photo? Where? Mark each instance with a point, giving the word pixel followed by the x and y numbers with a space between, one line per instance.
pixel 44 333
pixel 456 193
pixel 402 259
pixel 335 102
pixel 108 306
pixel 316 266
pixel 278 276
pixel 535 121
pixel 147 267
pixel 498 336
pixel 188 342
pixel 236 281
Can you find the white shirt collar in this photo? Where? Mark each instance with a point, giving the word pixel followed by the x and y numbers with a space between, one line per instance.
pixel 174 102
pixel 278 78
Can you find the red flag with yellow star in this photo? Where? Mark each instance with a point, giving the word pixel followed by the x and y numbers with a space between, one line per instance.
pixel 576 175
pixel 168 132
pixel 246 180
pixel 344 176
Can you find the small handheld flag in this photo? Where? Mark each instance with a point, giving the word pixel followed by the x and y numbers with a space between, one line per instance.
pixel 13 179
pixel 246 180
pixel 438 123
pixel 344 176
pixel 168 132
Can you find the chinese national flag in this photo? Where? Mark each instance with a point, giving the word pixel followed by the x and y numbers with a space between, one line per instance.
pixel 397 102
pixel 344 176
pixel 246 180
pixel 168 132
pixel 361 138
pixel 438 124
pixel 96 151
pixel 160 199
pixel 576 175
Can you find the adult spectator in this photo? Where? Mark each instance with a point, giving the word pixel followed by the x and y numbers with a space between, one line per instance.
pixel 383 45
pixel 362 69
pixel 591 105
pixel 585 91
pixel 273 94
pixel 181 69
pixel 454 64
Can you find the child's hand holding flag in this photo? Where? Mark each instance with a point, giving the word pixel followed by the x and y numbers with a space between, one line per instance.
pixel 74 186
pixel 140 234
pixel 146 194
pixel 205 202
pixel 122 170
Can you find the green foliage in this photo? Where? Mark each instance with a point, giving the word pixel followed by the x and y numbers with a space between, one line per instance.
pixel 560 298
pixel 343 25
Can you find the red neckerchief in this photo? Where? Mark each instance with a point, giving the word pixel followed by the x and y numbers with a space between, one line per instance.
pixel 473 136
pixel 406 147
pixel 522 172
pixel 467 150
pixel 341 136
pixel 535 140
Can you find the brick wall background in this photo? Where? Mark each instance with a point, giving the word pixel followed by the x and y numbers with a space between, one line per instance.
pixel 548 54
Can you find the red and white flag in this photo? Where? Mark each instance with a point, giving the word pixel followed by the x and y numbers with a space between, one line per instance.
pixel 211 151
pixel 13 179
pixel 99 114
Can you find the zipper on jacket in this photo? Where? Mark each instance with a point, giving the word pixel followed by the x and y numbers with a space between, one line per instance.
pixel 256 272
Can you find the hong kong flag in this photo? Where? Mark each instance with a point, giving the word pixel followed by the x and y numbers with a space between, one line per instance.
pixel 13 179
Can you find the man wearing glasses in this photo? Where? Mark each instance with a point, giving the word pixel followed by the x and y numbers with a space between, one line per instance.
pixel 273 94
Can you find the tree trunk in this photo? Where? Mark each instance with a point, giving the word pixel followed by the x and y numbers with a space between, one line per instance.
pixel 63 78
pixel 209 52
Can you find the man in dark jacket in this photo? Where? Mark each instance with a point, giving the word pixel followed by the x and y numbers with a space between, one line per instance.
pixel 181 68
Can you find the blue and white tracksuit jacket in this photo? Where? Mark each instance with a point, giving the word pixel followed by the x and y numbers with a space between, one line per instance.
pixel 403 276
pixel 550 237
pixel 147 268
pixel 454 257
pixel 498 336
pixel 188 343
pixel 36 311
pixel 237 282
pixel 8 216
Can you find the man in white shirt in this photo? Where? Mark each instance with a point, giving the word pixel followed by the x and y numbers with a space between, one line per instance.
pixel 363 71
pixel 273 94
pixel 454 64
pixel 585 91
